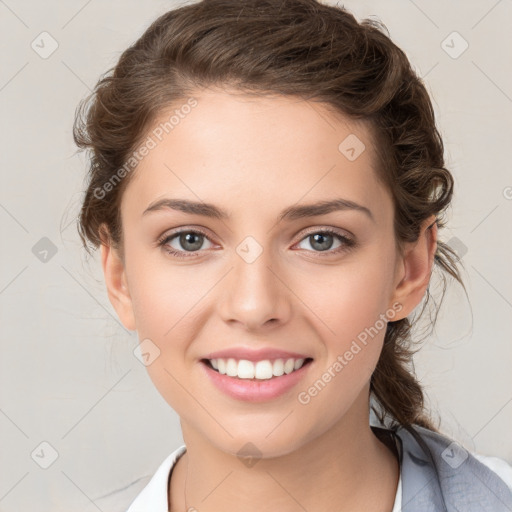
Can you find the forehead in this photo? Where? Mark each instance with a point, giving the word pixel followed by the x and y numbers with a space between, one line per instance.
pixel 249 152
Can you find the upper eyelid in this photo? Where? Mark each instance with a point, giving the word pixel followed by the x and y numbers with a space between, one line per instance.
pixel 338 231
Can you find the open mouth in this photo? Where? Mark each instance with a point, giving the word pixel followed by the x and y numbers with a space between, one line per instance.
pixel 260 370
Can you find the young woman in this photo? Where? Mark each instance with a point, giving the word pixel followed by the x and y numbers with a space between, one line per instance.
pixel 266 185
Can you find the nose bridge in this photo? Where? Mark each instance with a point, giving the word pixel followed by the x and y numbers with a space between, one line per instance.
pixel 254 294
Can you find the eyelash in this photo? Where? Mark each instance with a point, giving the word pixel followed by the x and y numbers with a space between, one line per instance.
pixel 348 243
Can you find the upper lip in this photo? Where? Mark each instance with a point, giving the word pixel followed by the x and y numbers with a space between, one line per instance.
pixel 254 355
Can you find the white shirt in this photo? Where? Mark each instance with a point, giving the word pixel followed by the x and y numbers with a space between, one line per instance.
pixel 153 496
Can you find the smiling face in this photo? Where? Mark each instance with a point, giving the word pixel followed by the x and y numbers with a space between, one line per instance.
pixel 250 277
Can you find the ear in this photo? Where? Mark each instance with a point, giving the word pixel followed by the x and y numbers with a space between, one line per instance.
pixel 117 285
pixel 415 267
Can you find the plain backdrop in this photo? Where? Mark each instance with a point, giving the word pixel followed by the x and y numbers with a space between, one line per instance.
pixel 73 396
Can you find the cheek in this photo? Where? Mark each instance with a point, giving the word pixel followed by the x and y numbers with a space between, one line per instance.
pixel 348 300
pixel 166 306
pixel 165 296
pixel 168 303
pixel 351 310
pixel 353 318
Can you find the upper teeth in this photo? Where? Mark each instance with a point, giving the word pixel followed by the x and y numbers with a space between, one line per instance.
pixel 265 369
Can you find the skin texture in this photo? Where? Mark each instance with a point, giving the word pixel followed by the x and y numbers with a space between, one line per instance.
pixel 255 157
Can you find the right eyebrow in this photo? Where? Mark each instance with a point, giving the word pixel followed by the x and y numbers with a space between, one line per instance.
pixel 187 206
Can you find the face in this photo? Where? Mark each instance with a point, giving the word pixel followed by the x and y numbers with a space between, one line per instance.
pixel 316 283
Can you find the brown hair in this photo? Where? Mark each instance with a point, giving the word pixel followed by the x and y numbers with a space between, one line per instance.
pixel 299 48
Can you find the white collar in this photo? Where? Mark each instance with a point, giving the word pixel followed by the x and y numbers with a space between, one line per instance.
pixel 154 496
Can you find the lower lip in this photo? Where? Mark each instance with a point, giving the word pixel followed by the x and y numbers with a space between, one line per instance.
pixel 257 390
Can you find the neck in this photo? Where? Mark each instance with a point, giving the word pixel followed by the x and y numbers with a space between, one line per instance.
pixel 346 468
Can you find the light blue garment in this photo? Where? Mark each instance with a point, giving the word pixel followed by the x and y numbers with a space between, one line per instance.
pixel 439 475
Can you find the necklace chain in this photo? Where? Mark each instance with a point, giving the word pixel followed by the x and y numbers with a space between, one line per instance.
pixel 184 488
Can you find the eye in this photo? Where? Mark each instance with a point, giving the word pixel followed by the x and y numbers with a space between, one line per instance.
pixel 190 240
pixel 322 241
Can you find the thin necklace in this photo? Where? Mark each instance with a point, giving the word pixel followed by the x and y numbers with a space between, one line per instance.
pixel 185 488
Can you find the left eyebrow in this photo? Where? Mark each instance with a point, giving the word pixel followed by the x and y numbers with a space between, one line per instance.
pixel 321 208
pixel 290 213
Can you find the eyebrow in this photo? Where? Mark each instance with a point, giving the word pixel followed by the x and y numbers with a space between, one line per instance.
pixel 290 213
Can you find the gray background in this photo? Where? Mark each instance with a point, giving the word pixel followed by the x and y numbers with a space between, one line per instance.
pixel 68 374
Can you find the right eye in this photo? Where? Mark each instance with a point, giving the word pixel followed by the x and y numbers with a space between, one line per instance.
pixel 190 240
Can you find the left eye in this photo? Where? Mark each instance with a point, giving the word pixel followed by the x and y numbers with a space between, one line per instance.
pixel 322 241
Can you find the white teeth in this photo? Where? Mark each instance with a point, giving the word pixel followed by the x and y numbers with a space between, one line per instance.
pixel 298 363
pixel 261 370
pixel 278 367
pixel 289 366
pixel 245 369
pixel 231 368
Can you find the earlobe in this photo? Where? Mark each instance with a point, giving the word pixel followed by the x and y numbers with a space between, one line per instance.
pixel 416 264
pixel 117 285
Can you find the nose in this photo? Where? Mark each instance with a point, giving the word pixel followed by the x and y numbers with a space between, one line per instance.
pixel 254 295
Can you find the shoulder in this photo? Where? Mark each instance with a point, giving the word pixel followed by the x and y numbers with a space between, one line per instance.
pixel 454 455
pixel 436 469
pixel 499 466
pixel 145 491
